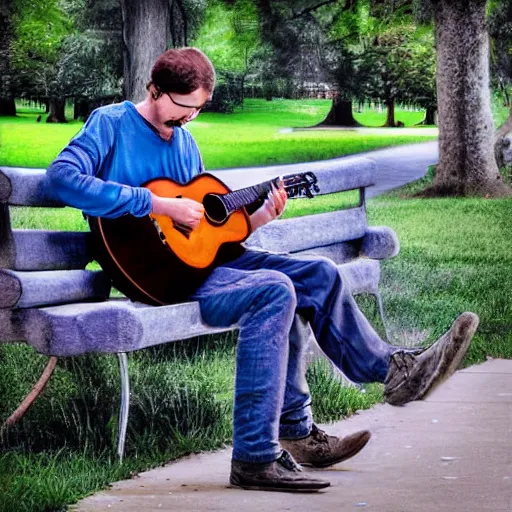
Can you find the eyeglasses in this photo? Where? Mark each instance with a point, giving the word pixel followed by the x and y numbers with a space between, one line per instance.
pixel 197 109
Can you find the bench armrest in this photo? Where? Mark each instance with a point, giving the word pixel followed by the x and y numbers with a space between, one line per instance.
pixel 380 243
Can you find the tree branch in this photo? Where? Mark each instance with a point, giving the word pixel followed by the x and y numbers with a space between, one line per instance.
pixel 30 398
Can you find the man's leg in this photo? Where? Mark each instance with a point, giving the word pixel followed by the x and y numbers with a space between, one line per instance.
pixel 308 444
pixel 348 339
pixel 262 303
pixel 297 433
pixel 340 328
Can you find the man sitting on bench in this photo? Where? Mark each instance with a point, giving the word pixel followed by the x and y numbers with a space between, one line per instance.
pixel 100 172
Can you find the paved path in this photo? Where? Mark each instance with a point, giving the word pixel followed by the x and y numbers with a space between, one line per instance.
pixel 452 452
pixel 401 164
pixel 396 166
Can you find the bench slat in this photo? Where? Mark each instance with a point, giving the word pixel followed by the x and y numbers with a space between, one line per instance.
pixel 112 326
pixel 32 249
pixel 12 325
pixel 312 231
pixel 380 243
pixel 31 289
pixel 333 175
pixel 24 187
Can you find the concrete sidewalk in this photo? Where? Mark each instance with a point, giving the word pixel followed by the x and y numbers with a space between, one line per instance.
pixel 452 452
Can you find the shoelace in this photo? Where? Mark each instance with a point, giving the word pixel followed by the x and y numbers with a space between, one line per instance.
pixel 288 462
pixel 319 435
pixel 404 361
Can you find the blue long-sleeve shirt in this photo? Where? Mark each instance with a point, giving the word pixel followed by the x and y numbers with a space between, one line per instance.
pixel 103 167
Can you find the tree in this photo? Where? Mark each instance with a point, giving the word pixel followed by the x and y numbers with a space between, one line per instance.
pixel 141 18
pixel 347 37
pixel 398 66
pixel 466 131
pixel 39 30
pixel 7 104
pixel 91 59
pixel 149 28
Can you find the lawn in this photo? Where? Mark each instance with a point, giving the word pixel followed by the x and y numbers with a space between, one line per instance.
pixel 455 256
pixel 257 135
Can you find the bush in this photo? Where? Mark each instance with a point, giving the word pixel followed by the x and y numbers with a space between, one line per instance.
pixel 228 94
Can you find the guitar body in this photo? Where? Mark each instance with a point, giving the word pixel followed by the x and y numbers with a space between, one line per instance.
pixel 152 260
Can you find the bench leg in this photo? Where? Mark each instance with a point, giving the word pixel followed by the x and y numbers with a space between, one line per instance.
pixel 125 404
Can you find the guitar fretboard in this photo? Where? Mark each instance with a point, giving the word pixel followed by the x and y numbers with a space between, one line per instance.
pixel 239 198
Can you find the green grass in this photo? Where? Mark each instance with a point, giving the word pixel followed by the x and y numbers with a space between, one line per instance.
pixel 373 118
pixel 257 135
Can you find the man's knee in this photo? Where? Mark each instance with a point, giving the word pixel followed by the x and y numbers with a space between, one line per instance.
pixel 276 286
pixel 326 273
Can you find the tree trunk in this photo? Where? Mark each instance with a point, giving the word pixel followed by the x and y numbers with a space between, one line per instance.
pixel 146 33
pixel 466 131
pixel 56 114
pixel 430 116
pixel 7 107
pixel 390 116
pixel 340 114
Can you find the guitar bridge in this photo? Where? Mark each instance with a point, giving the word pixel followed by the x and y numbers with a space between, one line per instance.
pixel 161 234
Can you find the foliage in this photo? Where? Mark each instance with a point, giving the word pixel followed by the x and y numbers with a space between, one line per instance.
pixel 500 29
pixel 91 62
pixel 39 30
pixel 229 36
pixel 399 65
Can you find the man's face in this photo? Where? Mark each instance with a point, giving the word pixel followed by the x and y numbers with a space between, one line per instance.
pixel 177 109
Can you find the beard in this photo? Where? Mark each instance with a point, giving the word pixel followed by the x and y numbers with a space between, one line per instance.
pixel 173 123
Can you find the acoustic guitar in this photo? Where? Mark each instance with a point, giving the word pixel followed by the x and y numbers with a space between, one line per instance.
pixel 153 259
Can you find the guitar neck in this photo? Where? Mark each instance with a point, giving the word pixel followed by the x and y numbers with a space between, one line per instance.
pixel 245 196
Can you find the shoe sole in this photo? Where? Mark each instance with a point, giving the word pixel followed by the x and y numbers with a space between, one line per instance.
pixel 279 489
pixel 346 456
pixel 466 325
pixel 462 331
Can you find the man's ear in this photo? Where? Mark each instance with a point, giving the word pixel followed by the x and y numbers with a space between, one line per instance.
pixel 155 91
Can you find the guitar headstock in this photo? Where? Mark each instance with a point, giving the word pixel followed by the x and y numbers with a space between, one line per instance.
pixel 301 184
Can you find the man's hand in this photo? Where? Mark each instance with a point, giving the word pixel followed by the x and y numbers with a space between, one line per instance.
pixel 272 208
pixel 183 211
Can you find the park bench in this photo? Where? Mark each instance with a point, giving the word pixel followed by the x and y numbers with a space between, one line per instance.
pixel 49 301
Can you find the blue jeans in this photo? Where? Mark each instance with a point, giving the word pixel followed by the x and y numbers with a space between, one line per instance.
pixel 262 292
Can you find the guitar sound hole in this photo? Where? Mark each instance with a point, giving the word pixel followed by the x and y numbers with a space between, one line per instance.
pixel 215 210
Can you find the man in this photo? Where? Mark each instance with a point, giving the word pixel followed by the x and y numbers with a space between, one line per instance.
pixel 100 172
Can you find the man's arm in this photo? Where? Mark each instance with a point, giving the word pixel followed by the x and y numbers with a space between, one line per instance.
pixel 72 177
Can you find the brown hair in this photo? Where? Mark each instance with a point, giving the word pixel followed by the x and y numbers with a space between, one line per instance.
pixel 183 70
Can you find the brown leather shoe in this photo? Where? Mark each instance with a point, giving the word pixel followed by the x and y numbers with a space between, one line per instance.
pixel 321 450
pixel 284 474
pixel 413 377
